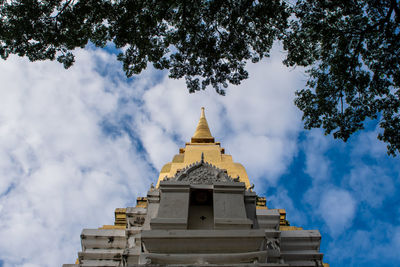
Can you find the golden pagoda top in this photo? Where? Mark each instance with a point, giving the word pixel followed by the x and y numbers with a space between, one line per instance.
pixel 203 142
pixel 202 133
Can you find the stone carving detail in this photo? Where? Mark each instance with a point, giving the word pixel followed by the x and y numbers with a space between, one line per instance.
pixel 250 189
pixel 137 221
pixel 272 244
pixel 203 173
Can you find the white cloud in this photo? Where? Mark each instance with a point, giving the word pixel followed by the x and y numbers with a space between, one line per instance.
pixel 157 142
pixel 371 184
pixel 282 200
pixel 367 144
pixel 59 172
pixel 379 245
pixel 337 208
pixel 264 157
pixel 318 165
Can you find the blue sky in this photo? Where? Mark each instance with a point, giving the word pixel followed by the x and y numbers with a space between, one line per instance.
pixel 76 144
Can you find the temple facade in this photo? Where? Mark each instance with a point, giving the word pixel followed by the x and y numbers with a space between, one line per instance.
pixel 203 211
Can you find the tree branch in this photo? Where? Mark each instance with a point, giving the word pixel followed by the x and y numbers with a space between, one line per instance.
pixel 63 8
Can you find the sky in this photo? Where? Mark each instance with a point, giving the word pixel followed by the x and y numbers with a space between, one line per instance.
pixel 76 144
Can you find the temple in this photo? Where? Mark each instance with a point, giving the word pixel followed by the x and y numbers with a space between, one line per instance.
pixel 202 212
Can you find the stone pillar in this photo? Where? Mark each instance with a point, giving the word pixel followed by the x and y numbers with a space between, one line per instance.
pixel 174 206
pixel 229 207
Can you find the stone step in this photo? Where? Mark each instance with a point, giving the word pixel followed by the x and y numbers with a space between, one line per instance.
pixel 268 218
pixel 99 263
pixel 300 240
pixel 301 255
pixel 101 254
pixel 103 239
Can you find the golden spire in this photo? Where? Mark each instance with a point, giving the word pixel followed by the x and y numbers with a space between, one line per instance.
pixel 202 134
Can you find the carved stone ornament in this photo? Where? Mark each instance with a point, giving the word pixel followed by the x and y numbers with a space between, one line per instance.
pixel 202 173
pixel 272 244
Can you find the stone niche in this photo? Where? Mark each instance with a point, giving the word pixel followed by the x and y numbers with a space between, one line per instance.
pixel 174 206
pixel 204 197
pixel 217 206
pixel 202 223
pixel 203 214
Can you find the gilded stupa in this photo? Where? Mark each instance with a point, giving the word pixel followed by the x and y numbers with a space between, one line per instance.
pixel 202 142
pixel 202 212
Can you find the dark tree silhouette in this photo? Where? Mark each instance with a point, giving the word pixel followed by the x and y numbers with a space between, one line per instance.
pixel 350 48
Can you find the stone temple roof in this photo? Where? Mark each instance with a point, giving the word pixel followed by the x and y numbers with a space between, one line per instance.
pixel 202 172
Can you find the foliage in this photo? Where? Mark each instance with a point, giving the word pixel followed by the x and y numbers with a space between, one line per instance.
pixel 349 47
pixel 207 42
pixel 353 50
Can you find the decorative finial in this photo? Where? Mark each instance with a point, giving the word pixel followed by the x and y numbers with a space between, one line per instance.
pixel 202 134
pixel 251 188
pixel 202 115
